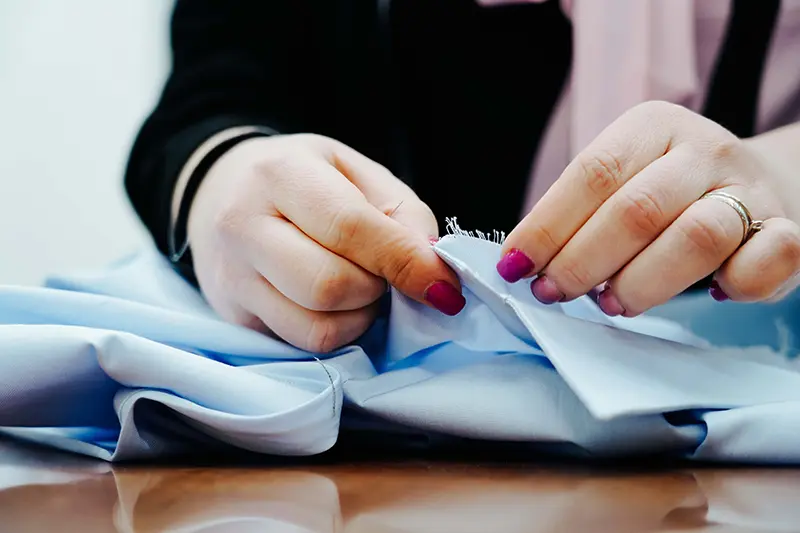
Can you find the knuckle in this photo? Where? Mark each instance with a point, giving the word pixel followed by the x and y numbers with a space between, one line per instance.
pixel 641 214
pixel 318 143
pixel 724 148
pixel 230 221
pixel 312 138
pixel 328 290
pixel 663 108
pixel 602 171
pixel 285 165
pixel 275 163
pixel 399 266
pixel 323 334
pixel 571 276
pixel 345 227
pixel 249 321
pixel 706 236
pixel 542 237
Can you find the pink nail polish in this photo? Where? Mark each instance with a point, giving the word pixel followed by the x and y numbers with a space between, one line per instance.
pixel 610 304
pixel 545 290
pixel 445 298
pixel 717 293
pixel 514 266
pixel 433 240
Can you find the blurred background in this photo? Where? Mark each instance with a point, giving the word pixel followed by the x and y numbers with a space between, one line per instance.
pixel 77 78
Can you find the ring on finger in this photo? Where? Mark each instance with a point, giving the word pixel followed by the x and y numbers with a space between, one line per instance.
pixel 749 224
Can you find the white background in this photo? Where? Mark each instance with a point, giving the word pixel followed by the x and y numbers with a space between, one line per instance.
pixel 77 77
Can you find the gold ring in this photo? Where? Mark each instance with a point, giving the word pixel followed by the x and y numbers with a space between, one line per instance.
pixel 750 225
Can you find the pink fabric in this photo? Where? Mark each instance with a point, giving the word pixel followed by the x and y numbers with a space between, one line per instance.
pixel 626 52
pixel 631 51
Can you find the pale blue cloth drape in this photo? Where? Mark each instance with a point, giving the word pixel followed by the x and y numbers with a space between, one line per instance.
pixel 130 363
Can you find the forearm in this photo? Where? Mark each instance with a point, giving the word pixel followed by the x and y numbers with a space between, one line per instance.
pixel 781 150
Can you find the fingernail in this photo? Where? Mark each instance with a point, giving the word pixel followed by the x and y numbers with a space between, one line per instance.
pixel 610 304
pixel 717 293
pixel 433 240
pixel 445 298
pixel 545 290
pixel 514 266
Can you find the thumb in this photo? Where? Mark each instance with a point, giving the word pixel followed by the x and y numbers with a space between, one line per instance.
pixel 384 190
pixel 336 214
pixel 403 251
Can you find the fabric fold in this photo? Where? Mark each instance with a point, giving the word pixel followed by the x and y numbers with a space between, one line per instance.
pixel 94 367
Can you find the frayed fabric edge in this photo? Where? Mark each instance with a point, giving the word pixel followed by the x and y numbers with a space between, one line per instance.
pixel 495 236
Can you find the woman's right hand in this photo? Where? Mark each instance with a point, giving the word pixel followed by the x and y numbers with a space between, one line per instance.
pixel 298 235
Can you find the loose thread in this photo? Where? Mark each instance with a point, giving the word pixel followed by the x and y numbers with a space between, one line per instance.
pixel 497 237
pixel 333 385
pixel 393 211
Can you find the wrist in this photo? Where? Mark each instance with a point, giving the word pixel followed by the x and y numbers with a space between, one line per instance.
pixel 192 175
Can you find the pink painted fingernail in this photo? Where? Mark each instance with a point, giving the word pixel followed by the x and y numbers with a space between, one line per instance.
pixel 610 304
pixel 433 240
pixel 717 293
pixel 545 290
pixel 514 266
pixel 445 298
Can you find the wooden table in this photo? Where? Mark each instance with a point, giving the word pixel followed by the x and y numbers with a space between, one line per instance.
pixel 44 491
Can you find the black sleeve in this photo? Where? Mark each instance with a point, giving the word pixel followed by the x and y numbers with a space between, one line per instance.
pixel 234 63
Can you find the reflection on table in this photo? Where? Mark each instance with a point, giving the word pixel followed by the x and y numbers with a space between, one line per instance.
pixel 44 491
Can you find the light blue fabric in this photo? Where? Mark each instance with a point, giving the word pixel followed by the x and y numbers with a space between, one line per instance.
pixel 130 363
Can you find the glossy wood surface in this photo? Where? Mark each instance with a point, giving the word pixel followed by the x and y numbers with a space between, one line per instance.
pixel 42 491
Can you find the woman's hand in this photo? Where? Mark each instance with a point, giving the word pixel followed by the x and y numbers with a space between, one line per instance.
pixel 299 235
pixel 629 210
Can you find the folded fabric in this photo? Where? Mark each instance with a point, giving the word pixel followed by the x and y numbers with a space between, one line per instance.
pixel 130 363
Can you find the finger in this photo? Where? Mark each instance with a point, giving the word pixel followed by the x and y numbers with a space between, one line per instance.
pixel 232 312
pixel 690 249
pixel 332 211
pixel 624 226
pixel 384 190
pixel 315 331
pixel 304 271
pixel 788 288
pixel 222 297
pixel 767 264
pixel 621 151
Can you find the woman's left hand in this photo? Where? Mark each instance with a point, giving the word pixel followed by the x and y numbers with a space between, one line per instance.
pixel 629 210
